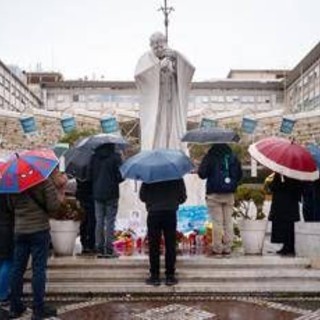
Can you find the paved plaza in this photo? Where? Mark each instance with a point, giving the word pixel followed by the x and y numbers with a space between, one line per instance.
pixel 187 307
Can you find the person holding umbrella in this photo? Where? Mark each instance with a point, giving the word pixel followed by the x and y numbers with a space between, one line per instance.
pixel 222 169
pixel 162 191
pixel 35 198
pixel 162 200
pixel 6 246
pixel 293 164
pixel 105 177
pixel 284 211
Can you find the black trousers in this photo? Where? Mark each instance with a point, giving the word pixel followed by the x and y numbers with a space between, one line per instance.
pixel 159 222
pixel 283 232
pixel 88 224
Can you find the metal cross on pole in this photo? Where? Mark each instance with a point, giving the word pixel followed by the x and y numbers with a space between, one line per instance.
pixel 166 11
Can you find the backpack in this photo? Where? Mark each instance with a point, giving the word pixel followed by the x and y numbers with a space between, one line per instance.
pixel 224 175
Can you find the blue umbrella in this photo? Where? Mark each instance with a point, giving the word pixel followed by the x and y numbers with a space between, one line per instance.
pixel 157 165
pixel 315 152
pixel 211 135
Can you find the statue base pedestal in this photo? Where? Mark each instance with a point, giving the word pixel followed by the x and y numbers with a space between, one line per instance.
pixel 132 212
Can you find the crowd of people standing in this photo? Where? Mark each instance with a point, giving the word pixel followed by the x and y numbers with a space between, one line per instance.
pixel 24 219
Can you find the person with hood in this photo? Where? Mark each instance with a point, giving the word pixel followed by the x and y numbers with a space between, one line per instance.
pixel 105 177
pixel 222 169
pixel 6 246
pixel 162 200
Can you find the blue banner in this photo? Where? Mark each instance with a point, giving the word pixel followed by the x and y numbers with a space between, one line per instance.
pixel 68 124
pixel 287 125
pixel 208 123
pixel 249 125
pixel 28 124
pixel 109 124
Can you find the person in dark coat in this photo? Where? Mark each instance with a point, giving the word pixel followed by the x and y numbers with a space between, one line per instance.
pixel 162 200
pixel 284 211
pixel 32 210
pixel 311 201
pixel 88 224
pixel 222 169
pixel 6 245
pixel 105 177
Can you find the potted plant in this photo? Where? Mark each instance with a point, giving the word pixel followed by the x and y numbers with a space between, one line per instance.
pixel 65 227
pixel 252 224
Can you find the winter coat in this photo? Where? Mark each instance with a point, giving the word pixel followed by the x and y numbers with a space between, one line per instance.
pixel 105 174
pixel 162 196
pixel 84 190
pixel 33 207
pixel 221 168
pixel 286 194
pixel 311 201
pixel 6 227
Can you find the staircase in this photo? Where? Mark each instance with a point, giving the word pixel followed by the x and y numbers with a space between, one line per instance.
pixel 197 274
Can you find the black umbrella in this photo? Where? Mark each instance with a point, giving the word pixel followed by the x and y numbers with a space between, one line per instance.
pixel 211 135
pixel 100 139
pixel 78 158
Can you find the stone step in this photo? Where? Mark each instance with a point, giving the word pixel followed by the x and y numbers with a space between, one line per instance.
pixel 141 262
pixel 282 286
pixel 197 274
pixel 192 275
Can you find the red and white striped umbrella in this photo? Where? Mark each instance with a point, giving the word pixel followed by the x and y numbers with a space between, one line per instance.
pixel 285 157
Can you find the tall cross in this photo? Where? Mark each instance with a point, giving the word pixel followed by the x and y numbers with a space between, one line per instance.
pixel 166 11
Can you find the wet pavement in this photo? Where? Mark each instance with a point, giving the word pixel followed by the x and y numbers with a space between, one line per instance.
pixel 222 310
pixel 184 307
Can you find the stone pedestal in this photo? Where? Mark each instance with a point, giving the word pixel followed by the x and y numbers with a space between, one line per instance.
pixel 307 240
pixel 130 205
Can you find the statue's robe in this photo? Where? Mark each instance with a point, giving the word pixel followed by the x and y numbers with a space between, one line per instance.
pixel 164 101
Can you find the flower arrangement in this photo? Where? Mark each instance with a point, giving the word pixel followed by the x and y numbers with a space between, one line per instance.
pixel 70 209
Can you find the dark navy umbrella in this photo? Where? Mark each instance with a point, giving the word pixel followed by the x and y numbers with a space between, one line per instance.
pixel 211 135
pixel 315 152
pixel 157 165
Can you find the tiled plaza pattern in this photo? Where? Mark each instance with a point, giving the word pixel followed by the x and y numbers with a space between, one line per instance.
pixel 175 311
pixel 186 308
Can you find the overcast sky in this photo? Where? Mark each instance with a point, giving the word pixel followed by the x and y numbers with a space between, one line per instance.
pixel 106 37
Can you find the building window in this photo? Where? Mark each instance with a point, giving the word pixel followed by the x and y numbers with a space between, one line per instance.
pixel 247 99
pixel 60 98
pixel 205 99
pixel 6 84
pixel 75 98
